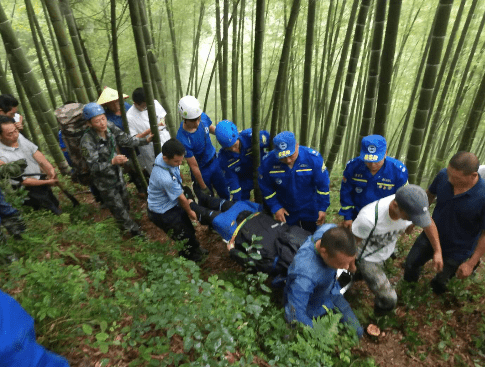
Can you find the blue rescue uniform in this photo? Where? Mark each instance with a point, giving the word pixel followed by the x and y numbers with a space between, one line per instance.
pixel 198 144
pixel 238 167
pixel 359 187
pixel 18 347
pixel 302 190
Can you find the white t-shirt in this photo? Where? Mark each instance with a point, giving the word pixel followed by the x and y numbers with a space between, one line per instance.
pixel 481 171
pixel 138 122
pixel 383 241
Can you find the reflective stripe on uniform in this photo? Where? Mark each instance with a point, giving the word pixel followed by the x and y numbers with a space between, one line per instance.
pixel 233 163
pixel 270 196
pixel 304 170
pixel 358 179
pixel 323 192
pixel 348 207
pixel 235 191
pixel 270 172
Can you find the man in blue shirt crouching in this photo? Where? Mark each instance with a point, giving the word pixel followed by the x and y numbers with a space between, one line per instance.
pixel 312 277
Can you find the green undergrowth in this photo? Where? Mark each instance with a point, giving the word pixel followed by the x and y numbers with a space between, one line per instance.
pixel 91 292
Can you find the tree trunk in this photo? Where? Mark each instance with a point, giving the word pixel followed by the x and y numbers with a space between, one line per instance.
pixel 256 105
pixel 439 32
pixel 387 63
pixel 349 83
pixel 76 42
pixel 157 82
pixel 431 128
pixel 66 51
pixel 338 78
pixel 31 15
pixel 176 64
pixel 307 73
pixel 371 88
pixel 282 75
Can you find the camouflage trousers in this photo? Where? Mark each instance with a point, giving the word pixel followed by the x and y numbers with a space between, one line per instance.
pixel 375 277
pixel 116 199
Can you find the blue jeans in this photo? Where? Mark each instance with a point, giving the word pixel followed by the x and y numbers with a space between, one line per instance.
pixel 420 254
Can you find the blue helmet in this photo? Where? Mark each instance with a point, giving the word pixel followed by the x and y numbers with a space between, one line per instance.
pixel 92 110
pixel 226 133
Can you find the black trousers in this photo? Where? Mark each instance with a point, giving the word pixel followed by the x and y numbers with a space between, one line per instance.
pixel 42 197
pixel 178 226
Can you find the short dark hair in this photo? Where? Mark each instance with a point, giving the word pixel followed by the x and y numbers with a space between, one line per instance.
pixel 138 95
pixel 172 147
pixel 7 102
pixel 339 239
pixel 465 162
pixel 4 119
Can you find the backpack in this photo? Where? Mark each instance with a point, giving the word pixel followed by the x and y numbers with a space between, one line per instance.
pixel 280 243
pixel 73 126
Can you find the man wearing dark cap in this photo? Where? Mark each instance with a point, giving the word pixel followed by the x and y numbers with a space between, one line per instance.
pixel 460 218
pixel 294 182
pixel 369 177
pixel 377 228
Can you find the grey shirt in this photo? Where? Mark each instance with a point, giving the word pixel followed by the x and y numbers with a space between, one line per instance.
pixel 25 150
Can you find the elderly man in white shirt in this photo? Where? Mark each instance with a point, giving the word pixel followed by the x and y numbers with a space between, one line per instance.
pixel 138 122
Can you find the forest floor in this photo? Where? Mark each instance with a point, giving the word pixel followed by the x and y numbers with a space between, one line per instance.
pixel 423 330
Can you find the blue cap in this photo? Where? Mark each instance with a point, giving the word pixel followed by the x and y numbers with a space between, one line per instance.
pixel 373 149
pixel 264 139
pixel 284 144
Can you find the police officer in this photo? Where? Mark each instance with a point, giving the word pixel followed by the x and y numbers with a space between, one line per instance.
pixel 236 158
pixel 295 183
pixel 369 177
pixel 99 150
pixel 199 152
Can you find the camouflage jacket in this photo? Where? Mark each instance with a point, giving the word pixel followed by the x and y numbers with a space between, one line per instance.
pixel 99 152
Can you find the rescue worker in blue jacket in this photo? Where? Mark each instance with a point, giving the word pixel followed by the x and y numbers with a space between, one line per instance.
pixel 370 177
pixel 236 158
pixel 199 152
pixel 294 182
pixel 18 347
pixel 312 277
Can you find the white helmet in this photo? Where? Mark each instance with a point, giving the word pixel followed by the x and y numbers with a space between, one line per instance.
pixel 189 108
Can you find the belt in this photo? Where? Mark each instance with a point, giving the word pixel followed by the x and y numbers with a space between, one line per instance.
pixel 210 162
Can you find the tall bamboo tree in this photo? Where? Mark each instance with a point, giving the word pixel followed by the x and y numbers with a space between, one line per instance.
pixel 66 51
pixel 24 110
pixel 76 42
pixel 385 74
pixel 338 78
pixel 433 126
pixel 158 83
pixel 145 72
pixel 176 64
pixel 371 88
pixel 31 15
pixel 305 99
pixel 236 36
pixel 476 113
pixel 12 44
pixel 119 86
pixel 256 105
pixel 349 83
pixel 438 36
pixel 282 75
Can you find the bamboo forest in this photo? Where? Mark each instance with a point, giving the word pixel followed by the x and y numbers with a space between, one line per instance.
pixel 332 73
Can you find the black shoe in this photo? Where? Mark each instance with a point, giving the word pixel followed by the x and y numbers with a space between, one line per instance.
pixel 188 193
pixel 137 233
pixel 378 311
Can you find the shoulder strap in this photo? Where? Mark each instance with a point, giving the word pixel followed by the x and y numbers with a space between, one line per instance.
pixel 371 232
pixel 166 169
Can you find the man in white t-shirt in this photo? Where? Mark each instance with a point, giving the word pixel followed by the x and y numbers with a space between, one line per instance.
pixel 377 228
pixel 138 122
